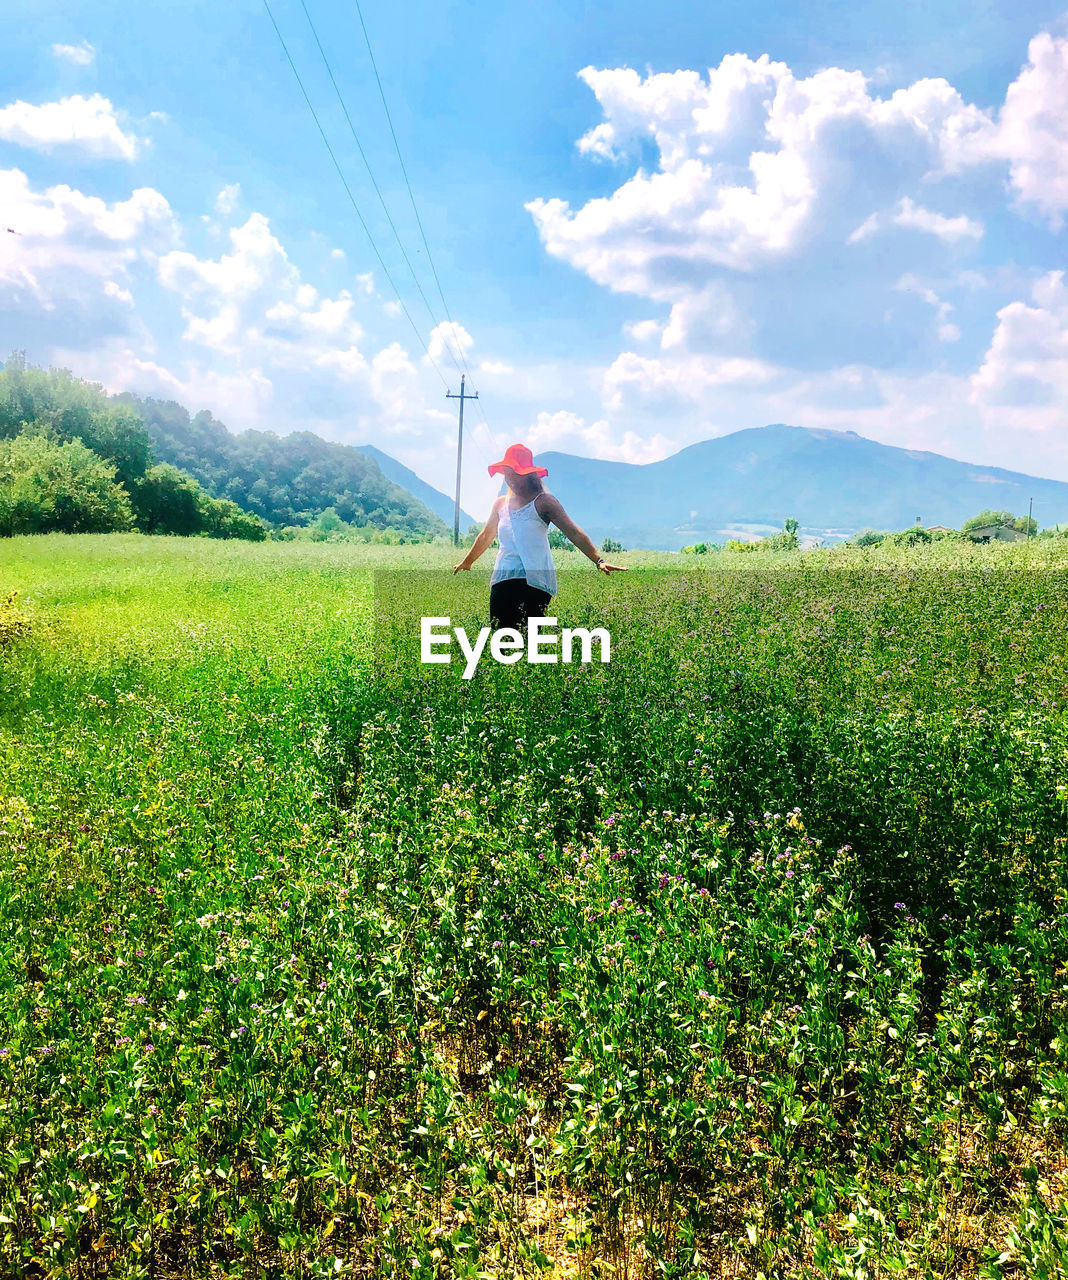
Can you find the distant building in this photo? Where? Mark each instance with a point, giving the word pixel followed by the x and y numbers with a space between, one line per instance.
pixel 940 528
pixel 996 533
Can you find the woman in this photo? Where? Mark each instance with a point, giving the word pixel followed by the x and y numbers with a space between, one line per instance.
pixel 524 579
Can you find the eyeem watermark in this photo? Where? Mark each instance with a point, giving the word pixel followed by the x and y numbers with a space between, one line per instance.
pixel 542 644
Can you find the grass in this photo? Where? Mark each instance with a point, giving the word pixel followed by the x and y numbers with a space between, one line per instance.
pixel 745 954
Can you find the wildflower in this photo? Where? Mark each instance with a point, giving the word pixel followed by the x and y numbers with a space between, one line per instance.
pixel 789 875
pixel 899 906
pixel 153 1110
pixel 149 1047
pixel 322 985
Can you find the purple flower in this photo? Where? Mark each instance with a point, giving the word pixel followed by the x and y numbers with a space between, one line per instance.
pixel 789 875
pixel 899 906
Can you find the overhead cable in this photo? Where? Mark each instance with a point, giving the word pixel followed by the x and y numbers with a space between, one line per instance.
pixel 352 198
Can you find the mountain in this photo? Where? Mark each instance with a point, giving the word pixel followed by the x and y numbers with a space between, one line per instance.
pixel 288 480
pixel 833 482
pixel 441 506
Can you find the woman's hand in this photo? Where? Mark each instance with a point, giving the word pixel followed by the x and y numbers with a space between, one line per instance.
pixel 605 567
pixel 462 565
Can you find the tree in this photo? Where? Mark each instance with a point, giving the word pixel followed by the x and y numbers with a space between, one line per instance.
pixel 166 500
pixel 559 541
pixel 914 536
pixel 66 488
pixel 56 404
pixel 985 518
pixel 869 538
pixel 610 544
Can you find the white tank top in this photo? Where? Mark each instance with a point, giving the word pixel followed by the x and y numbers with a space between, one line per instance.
pixel 524 551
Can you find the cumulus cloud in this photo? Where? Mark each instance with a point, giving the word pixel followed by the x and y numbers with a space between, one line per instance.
pixel 81 55
pixel 636 379
pixel 90 126
pixel 253 296
pixel 1033 128
pixel 228 199
pixel 947 331
pixel 1024 375
pixel 755 166
pixel 569 432
pixel 71 245
pixel 914 217
pixel 449 342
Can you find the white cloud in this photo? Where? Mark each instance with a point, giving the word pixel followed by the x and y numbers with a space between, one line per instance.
pixel 80 54
pixel 568 432
pixel 947 331
pixel 917 218
pixel 87 125
pixel 449 343
pixel 1033 128
pixel 755 167
pixel 253 297
pixel 228 199
pixel 643 330
pixel 914 217
pixel 635 379
pixel 1023 380
pixel 113 290
pixel 72 246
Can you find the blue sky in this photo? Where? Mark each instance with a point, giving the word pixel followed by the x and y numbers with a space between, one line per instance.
pixel 652 224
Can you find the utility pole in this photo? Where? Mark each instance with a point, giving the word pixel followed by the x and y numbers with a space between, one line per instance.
pixel 1030 505
pixel 459 453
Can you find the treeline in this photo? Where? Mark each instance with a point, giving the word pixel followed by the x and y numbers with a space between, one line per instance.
pixel 71 461
pixel 986 526
pixel 285 480
pixel 75 460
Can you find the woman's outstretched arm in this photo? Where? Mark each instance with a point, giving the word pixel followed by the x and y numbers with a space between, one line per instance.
pixel 549 508
pixel 484 539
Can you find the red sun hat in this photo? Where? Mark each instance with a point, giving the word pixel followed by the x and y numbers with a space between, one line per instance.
pixel 520 459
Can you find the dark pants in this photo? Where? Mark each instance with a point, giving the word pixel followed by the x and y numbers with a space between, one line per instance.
pixel 513 601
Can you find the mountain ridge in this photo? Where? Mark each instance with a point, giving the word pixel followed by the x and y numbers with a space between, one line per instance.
pixel 833 482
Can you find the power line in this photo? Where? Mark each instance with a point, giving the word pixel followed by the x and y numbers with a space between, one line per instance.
pixel 352 198
pixel 374 183
pixel 404 171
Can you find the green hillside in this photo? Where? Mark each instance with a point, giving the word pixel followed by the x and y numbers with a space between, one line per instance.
pixel 285 480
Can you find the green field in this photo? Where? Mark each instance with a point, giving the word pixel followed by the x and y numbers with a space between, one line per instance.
pixel 745 954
